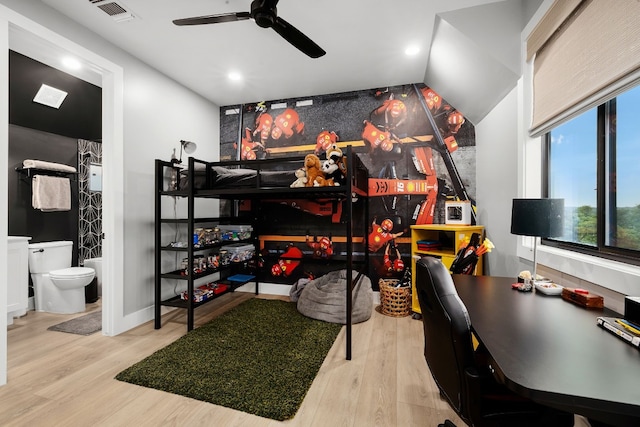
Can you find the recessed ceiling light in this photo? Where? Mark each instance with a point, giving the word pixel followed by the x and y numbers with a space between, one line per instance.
pixel 50 96
pixel 235 76
pixel 71 63
pixel 412 50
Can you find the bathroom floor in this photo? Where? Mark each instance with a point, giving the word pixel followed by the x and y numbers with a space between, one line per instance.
pixel 33 315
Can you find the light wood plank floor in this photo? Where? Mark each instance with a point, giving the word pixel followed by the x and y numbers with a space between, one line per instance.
pixel 60 379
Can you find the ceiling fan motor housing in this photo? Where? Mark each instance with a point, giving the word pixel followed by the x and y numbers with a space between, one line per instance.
pixel 264 13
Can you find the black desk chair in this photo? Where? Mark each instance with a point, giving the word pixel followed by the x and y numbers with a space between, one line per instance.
pixel 458 370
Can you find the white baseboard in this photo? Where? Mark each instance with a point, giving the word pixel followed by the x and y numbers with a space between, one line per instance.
pixel 280 289
pixel 266 288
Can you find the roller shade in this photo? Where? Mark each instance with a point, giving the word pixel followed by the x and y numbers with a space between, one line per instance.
pixel 549 24
pixel 591 57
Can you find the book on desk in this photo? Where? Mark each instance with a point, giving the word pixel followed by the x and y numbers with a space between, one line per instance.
pixel 629 332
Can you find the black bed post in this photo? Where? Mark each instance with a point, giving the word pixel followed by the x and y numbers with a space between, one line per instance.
pixel 236 203
pixel 349 204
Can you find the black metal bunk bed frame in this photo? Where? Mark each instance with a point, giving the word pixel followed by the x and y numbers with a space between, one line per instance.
pixel 355 188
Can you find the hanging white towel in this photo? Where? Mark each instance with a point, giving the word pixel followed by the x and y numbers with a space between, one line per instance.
pixel 41 164
pixel 51 193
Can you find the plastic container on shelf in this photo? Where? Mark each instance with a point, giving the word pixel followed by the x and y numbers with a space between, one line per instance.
pixel 235 232
pixel 223 257
pixel 239 252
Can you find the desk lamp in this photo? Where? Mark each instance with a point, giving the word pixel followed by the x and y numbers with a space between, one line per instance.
pixel 172 172
pixel 537 218
pixel 188 147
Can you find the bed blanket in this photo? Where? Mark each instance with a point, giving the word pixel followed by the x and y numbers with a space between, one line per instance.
pixel 222 177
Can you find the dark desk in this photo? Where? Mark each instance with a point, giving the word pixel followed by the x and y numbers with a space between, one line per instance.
pixel 552 351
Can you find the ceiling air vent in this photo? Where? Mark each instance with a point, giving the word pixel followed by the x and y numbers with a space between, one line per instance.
pixel 117 11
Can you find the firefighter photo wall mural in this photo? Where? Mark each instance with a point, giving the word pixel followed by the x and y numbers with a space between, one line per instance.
pixel 419 151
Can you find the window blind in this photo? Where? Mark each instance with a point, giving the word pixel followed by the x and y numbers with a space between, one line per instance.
pixel 549 24
pixel 586 60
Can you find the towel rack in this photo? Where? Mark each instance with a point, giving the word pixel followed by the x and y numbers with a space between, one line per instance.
pixel 28 173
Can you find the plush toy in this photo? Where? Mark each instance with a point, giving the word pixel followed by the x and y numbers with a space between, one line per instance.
pixel 312 169
pixel 334 154
pixel 301 179
pixel 329 171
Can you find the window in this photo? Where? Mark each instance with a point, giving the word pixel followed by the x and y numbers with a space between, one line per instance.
pixel 593 163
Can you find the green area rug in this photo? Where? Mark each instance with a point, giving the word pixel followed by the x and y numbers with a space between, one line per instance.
pixel 260 357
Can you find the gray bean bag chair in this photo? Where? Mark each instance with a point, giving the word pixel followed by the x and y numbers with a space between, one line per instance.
pixel 325 298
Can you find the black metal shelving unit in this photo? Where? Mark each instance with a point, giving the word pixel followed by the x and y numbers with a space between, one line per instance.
pixel 189 250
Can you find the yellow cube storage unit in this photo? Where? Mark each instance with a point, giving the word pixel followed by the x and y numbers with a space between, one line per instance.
pixel 450 238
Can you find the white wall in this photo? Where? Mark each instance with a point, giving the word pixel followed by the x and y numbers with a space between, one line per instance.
pixel 497 183
pixel 158 113
pixel 4 129
pixel 509 166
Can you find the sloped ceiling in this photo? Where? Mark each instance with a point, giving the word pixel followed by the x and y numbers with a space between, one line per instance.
pixel 474 59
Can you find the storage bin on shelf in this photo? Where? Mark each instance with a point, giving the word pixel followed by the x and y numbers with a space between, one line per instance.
pixel 236 252
pixel 394 301
pixel 205 292
pixel 235 232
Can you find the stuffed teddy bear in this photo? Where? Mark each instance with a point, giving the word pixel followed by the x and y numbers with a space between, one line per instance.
pixel 301 179
pixel 312 169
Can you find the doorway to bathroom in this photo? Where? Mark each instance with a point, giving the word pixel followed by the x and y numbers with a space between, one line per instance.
pixel 41 44
pixel 65 137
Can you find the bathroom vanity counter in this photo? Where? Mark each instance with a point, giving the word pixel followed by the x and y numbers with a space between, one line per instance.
pixel 17 277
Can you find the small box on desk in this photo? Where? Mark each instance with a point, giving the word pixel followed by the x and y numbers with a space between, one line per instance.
pixel 632 309
pixel 583 298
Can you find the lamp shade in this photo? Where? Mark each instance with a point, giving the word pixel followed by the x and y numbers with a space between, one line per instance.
pixel 537 217
pixel 189 147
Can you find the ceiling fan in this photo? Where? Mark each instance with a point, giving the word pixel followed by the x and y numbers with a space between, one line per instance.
pixel 265 14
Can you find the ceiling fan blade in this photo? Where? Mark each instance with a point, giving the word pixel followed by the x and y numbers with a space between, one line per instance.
pixel 213 19
pixel 297 39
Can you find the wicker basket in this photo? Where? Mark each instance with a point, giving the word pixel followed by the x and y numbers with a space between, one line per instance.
pixel 394 301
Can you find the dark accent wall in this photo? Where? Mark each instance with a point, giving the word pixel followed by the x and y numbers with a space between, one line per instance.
pixel 79 116
pixel 24 220
pixel 44 133
pixel 419 150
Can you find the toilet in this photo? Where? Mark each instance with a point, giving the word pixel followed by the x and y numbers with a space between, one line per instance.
pixel 96 264
pixel 57 287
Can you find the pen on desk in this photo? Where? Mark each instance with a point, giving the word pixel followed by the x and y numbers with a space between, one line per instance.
pixel 633 325
pixel 628 327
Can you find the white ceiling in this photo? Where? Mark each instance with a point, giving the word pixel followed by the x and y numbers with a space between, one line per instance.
pixel 364 40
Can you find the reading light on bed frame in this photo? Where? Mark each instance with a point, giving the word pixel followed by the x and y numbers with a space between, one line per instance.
pixel 188 147
pixel 537 218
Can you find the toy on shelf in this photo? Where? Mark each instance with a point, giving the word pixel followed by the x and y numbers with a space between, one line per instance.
pixel 467 257
pixel 328 171
pixel 335 156
pixel 288 262
pixel 312 168
pixel 301 179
